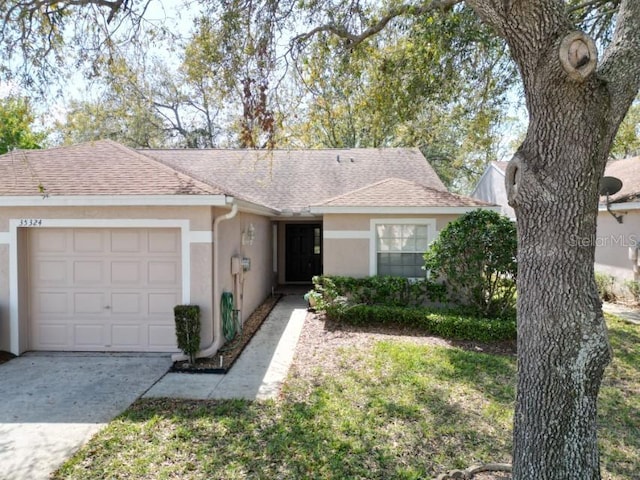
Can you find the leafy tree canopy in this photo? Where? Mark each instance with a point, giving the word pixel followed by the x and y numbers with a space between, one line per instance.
pixel 16 119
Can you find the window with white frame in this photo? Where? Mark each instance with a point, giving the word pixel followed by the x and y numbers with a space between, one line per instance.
pixel 400 245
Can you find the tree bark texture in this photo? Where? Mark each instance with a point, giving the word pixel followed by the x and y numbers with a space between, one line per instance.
pixel 552 183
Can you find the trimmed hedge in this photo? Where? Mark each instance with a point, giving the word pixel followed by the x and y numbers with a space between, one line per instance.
pixel 187 318
pixel 380 290
pixel 445 324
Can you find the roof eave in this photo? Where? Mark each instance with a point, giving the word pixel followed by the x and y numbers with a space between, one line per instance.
pixel 623 206
pixel 443 210
pixel 112 200
pixel 251 207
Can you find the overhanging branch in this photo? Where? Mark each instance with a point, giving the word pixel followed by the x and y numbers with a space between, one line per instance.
pixel 354 39
pixel 620 67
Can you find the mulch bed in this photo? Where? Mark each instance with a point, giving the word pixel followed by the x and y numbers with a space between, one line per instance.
pixel 6 356
pixel 232 350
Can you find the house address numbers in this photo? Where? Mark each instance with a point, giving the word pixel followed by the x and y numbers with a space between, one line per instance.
pixel 30 222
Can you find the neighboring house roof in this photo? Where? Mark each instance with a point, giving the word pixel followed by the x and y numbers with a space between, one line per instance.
pixel 502 166
pixel 499 167
pixel 96 168
pixel 627 170
pixel 295 179
pixel 396 192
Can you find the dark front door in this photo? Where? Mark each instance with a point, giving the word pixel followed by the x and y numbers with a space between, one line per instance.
pixel 303 251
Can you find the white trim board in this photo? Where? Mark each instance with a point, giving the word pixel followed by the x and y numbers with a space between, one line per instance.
pixel 186 238
pixel 401 210
pixel 347 234
pixel 113 200
pixel 200 236
pixel 624 206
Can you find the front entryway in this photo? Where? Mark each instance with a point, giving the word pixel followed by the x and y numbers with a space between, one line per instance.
pixel 103 289
pixel 303 251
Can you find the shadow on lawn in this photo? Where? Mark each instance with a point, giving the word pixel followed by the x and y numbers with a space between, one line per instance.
pixel 309 440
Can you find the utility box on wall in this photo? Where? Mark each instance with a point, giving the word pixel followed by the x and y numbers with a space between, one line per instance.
pixel 246 264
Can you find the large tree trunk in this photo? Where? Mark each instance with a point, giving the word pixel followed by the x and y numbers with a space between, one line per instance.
pixel 552 183
pixel 562 338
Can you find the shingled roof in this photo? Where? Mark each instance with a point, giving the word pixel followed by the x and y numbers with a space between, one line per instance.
pixel 396 192
pixel 286 180
pixel 627 170
pixel 95 168
pixel 295 179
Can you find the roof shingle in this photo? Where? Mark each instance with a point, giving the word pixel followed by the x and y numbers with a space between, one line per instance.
pixel 395 192
pixel 627 170
pixel 94 168
pixel 295 179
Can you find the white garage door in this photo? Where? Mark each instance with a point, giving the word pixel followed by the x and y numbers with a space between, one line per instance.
pixel 103 289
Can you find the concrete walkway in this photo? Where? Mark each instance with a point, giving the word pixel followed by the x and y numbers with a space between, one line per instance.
pixel 259 371
pixel 628 314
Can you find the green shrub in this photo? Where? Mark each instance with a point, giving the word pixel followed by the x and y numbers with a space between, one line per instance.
pixel 606 287
pixel 379 290
pixel 187 318
pixel 476 256
pixel 634 289
pixel 446 324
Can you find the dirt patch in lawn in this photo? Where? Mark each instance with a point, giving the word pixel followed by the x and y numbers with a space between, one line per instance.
pixel 321 337
pixel 232 350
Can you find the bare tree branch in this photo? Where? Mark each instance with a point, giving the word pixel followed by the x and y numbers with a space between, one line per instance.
pixel 33 6
pixel 620 65
pixel 354 39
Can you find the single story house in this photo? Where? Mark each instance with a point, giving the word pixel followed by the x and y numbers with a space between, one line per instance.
pixel 618 237
pixel 491 188
pixel 98 242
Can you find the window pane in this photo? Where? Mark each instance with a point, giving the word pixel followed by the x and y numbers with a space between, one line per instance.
pixel 399 249
pixel 401 264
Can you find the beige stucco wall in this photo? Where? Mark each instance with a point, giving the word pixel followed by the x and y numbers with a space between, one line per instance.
pixel 4 297
pixel 346 257
pixel 200 217
pixel 201 282
pixel 351 256
pixel 257 282
pixel 613 242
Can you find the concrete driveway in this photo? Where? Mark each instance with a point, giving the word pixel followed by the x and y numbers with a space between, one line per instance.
pixel 52 403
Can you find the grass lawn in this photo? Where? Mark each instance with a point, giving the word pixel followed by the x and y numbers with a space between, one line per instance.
pixel 394 411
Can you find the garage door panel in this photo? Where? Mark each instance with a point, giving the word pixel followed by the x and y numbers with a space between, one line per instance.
pixel 162 272
pixel 90 302
pixel 162 336
pixel 51 241
pixel 125 241
pixel 52 335
pixel 104 289
pixel 125 272
pixel 126 303
pixel 163 241
pixel 88 241
pixel 89 336
pixel 88 272
pixel 160 303
pixel 126 336
pixel 50 272
pixel 51 303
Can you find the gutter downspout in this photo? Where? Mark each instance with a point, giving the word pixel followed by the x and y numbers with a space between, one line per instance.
pixel 218 337
pixel 217 323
